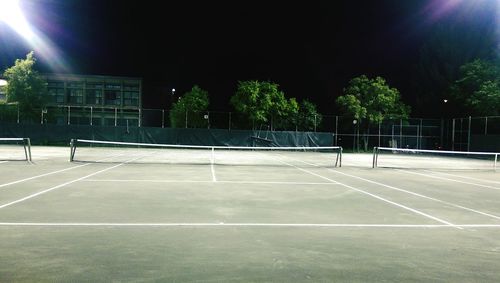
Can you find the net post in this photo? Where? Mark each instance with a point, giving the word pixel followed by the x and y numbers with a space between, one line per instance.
pixel 495 163
pixel 375 153
pixel 27 151
pixel 338 160
pixel 341 150
pixel 28 140
pixel 72 146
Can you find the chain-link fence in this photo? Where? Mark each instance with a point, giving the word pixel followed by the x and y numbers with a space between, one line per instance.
pixel 462 134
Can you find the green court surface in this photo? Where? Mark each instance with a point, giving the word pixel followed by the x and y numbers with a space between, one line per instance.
pixel 289 221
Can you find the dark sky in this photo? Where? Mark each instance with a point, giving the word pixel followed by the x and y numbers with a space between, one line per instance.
pixel 310 48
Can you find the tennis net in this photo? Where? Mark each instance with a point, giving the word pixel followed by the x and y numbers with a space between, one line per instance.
pixel 94 151
pixel 433 159
pixel 11 149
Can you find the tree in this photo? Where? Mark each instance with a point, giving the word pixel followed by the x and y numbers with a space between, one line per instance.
pixel 309 117
pixel 478 88
pixel 372 99
pixel 192 105
pixel 263 102
pixel 26 87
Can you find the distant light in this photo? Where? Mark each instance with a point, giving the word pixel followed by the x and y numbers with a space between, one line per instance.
pixel 445 100
pixel 3 82
pixel 11 14
pixel 173 90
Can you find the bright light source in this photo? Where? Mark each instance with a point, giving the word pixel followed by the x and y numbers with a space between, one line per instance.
pixel 3 82
pixel 11 14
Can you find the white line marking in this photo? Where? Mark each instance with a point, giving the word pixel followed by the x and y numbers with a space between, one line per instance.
pixel 3 162
pixel 214 179
pixel 201 181
pixel 448 179
pixel 378 197
pixel 464 177
pixel 417 194
pixel 67 183
pixel 50 173
pixel 298 225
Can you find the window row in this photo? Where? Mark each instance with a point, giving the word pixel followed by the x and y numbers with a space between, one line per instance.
pixel 94 97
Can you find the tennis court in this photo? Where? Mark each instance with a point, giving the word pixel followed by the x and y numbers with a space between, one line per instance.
pixel 126 214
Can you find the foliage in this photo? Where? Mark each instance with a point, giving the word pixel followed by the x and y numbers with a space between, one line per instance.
pixel 478 88
pixel 372 99
pixel 263 102
pixel 195 104
pixel 309 117
pixel 26 87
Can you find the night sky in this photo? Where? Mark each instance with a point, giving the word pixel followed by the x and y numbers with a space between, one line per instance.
pixel 310 48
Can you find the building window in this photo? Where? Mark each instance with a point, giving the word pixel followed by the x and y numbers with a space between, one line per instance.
pixel 112 97
pixel 113 86
pixel 131 86
pixel 55 84
pixel 94 96
pixel 95 85
pixel 130 98
pixel 75 84
pixel 56 95
pixel 75 96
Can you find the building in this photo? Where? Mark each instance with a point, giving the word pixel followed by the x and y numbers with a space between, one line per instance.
pixel 93 100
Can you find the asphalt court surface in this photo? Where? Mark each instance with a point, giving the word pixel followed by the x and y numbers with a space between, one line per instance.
pixel 124 221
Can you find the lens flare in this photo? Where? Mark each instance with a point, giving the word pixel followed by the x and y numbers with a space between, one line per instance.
pixel 12 15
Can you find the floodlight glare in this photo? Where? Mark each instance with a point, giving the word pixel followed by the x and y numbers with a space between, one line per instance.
pixel 11 14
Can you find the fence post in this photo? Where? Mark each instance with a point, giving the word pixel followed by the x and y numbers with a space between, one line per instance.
pixel 401 133
pixel 116 116
pixel 163 118
pixel 140 118
pixel 336 129
pixel 453 134
pixel 230 121
pixel 379 132
pixel 468 134
pixel 486 126
pixel 314 122
pixel 186 124
pixel 18 112
pixel 69 114
pixel 91 114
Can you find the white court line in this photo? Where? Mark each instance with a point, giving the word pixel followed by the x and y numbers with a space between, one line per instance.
pixel 464 177
pixel 378 197
pixel 214 179
pixel 3 162
pixel 275 225
pixel 51 173
pixel 202 181
pixel 448 179
pixel 67 183
pixel 418 195
pixel 298 225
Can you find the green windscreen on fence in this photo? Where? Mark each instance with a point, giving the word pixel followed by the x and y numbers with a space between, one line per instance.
pixel 61 135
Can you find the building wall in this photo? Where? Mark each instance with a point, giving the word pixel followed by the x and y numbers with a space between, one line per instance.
pixel 99 100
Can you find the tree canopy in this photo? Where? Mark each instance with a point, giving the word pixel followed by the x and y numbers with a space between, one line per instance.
pixel 263 103
pixel 478 88
pixel 26 87
pixel 372 99
pixel 194 104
